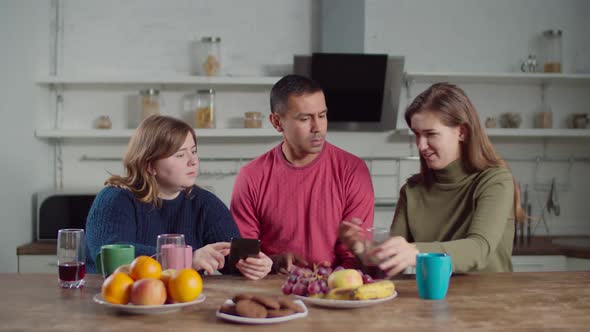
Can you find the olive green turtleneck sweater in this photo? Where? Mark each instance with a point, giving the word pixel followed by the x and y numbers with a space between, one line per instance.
pixel 468 216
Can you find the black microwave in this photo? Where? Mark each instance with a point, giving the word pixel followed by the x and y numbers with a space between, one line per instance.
pixel 61 209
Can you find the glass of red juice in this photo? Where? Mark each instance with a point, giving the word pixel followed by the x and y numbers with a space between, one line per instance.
pixel 373 237
pixel 71 255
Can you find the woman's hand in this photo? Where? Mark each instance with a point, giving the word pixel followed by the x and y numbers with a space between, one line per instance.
pixel 351 234
pixel 255 267
pixel 396 254
pixel 211 257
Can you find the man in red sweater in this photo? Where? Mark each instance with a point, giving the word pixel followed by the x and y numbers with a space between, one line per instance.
pixel 294 197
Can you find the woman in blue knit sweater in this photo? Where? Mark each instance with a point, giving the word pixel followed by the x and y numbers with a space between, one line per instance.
pixel 158 196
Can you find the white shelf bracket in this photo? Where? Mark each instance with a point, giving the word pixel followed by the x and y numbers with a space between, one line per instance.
pixel 59 165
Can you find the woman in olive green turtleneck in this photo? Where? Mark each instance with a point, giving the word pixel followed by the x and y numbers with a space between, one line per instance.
pixel 464 200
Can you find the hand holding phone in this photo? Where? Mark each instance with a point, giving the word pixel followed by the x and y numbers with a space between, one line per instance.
pixel 242 249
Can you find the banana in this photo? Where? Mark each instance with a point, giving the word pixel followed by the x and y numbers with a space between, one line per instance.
pixel 376 290
pixel 342 293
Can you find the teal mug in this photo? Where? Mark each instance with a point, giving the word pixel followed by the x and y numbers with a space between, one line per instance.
pixel 433 274
pixel 111 256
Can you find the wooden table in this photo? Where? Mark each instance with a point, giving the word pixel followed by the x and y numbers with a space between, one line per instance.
pixel 499 301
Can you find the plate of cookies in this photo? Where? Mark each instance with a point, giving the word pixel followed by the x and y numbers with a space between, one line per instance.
pixel 261 309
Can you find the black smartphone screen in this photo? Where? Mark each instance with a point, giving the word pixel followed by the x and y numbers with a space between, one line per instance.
pixel 243 248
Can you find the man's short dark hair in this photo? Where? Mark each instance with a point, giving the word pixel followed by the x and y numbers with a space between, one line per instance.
pixel 290 85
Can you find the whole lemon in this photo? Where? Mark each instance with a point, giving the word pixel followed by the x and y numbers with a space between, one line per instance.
pixel 145 267
pixel 185 285
pixel 117 288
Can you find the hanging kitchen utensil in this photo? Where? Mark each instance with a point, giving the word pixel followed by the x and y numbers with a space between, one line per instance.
pixel 556 208
pixel 549 205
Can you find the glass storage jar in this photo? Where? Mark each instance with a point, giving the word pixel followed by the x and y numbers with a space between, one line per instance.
pixel 551 45
pixel 210 56
pixel 252 120
pixel 205 109
pixel 149 103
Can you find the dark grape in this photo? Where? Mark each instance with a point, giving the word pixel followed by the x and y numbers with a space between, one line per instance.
pixel 314 288
pixel 338 268
pixel 324 286
pixel 305 281
pixel 292 279
pixel 299 289
pixel 287 288
pixel 324 271
pixel 367 279
pixel 296 271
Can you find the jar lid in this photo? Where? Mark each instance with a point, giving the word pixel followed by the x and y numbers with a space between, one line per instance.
pixel 552 33
pixel 209 91
pixel 149 92
pixel 211 39
pixel 252 114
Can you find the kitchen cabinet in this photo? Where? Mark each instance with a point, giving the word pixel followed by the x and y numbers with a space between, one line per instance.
pixel 37 264
pixel 548 263
pixel 578 264
pixel 541 263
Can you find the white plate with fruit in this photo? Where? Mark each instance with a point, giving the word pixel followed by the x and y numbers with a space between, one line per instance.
pixel 143 288
pixel 147 309
pixel 345 304
pixel 341 288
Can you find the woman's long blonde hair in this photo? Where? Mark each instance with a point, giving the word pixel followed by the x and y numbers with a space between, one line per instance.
pixel 453 108
pixel 157 137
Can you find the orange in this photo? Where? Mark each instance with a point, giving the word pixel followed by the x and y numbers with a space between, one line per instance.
pixel 145 267
pixel 185 285
pixel 117 288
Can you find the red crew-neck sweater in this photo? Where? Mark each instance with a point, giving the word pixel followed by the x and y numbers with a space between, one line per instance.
pixel 298 209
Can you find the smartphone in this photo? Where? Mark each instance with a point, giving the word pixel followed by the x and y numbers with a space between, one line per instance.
pixel 242 249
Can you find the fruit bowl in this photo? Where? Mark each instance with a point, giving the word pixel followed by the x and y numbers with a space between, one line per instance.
pixel 147 309
pixel 344 304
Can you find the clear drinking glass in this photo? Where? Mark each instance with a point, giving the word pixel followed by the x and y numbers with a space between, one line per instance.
pixel 171 250
pixel 71 255
pixel 372 238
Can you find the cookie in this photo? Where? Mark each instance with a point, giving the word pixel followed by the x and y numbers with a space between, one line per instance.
pixel 288 304
pixel 251 309
pixel 228 309
pixel 242 296
pixel 267 301
pixel 279 313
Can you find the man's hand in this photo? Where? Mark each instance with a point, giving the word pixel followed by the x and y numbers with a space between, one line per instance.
pixel 284 263
pixel 255 267
pixel 350 234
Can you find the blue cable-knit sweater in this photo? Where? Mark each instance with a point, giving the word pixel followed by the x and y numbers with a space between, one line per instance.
pixel 117 216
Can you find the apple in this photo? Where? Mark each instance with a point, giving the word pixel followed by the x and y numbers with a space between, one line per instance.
pixel 165 277
pixel 346 278
pixel 148 292
pixel 123 268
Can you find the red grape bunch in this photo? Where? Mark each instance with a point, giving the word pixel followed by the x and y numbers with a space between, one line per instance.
pixel 304 281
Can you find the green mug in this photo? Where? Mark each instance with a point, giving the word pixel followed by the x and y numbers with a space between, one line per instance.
pixel 111 256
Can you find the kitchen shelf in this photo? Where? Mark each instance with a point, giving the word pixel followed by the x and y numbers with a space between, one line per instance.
pixel 523 132
pixel 472 77
pixel 164 79
pixel 126 133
